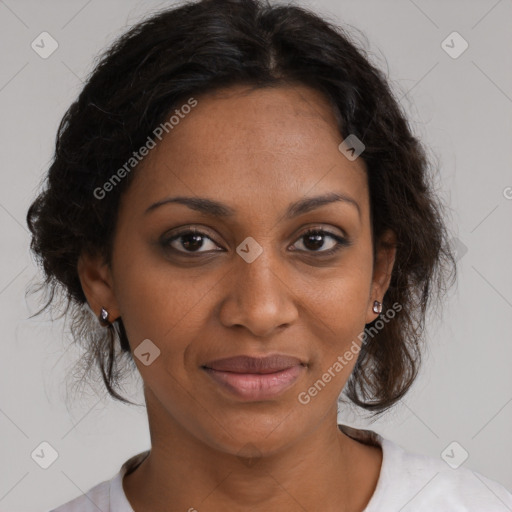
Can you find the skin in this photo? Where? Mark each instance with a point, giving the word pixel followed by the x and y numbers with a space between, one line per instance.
pixel 256 151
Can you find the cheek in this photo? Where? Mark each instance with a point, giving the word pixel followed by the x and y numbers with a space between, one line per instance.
pixel 340 298
pixel 338 323
pixel 162 303
pixel 337 310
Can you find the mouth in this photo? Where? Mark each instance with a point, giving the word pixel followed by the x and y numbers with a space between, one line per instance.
pixel 255 379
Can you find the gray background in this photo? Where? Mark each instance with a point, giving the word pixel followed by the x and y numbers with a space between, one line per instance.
pixel 460 107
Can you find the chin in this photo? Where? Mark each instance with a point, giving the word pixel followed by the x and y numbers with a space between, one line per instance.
pixel 253 434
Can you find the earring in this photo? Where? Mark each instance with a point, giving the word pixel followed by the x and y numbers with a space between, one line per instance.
pixel 103 317
pixel 377 306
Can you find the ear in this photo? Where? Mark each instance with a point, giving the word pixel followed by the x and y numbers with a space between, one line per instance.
pixel 96 279
pixel 382 270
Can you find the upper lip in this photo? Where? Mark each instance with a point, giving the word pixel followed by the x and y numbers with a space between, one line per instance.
pixel 247 364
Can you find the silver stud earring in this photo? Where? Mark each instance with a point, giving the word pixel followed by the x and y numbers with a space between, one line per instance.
pixel 377 307
pixel 103 317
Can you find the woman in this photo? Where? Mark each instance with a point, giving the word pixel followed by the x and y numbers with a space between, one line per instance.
pixel 238 198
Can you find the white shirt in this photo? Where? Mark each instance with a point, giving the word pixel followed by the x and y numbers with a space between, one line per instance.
pixel 408 482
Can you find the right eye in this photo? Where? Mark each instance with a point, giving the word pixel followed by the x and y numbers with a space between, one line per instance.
pixel 189 239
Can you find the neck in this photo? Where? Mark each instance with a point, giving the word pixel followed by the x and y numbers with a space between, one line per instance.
pixel 324 470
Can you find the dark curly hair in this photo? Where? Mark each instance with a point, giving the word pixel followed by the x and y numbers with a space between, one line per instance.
pixel 198 47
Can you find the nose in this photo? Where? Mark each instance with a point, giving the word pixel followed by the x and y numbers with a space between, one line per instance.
pixel 259 296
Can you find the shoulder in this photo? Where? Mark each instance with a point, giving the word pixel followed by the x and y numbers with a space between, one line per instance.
pixel 421 483
pixel 107 496
pixel 95 499
pixel 413 482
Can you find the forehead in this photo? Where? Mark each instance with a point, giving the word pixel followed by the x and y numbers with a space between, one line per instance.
pixel 241 144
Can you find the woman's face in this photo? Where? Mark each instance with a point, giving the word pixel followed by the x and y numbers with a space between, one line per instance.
pixel 250 282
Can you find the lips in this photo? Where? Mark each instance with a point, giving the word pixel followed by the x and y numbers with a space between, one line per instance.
pixel 247 364
pixel 255 378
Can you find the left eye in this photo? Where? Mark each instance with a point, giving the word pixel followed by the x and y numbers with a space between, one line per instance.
pixel 315 240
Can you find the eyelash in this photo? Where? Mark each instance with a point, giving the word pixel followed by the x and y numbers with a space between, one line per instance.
pixel 340 241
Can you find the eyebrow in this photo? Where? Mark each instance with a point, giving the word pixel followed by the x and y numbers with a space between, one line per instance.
pixel 217 209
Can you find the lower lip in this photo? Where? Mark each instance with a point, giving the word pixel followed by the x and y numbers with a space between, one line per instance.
pixel 257 386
